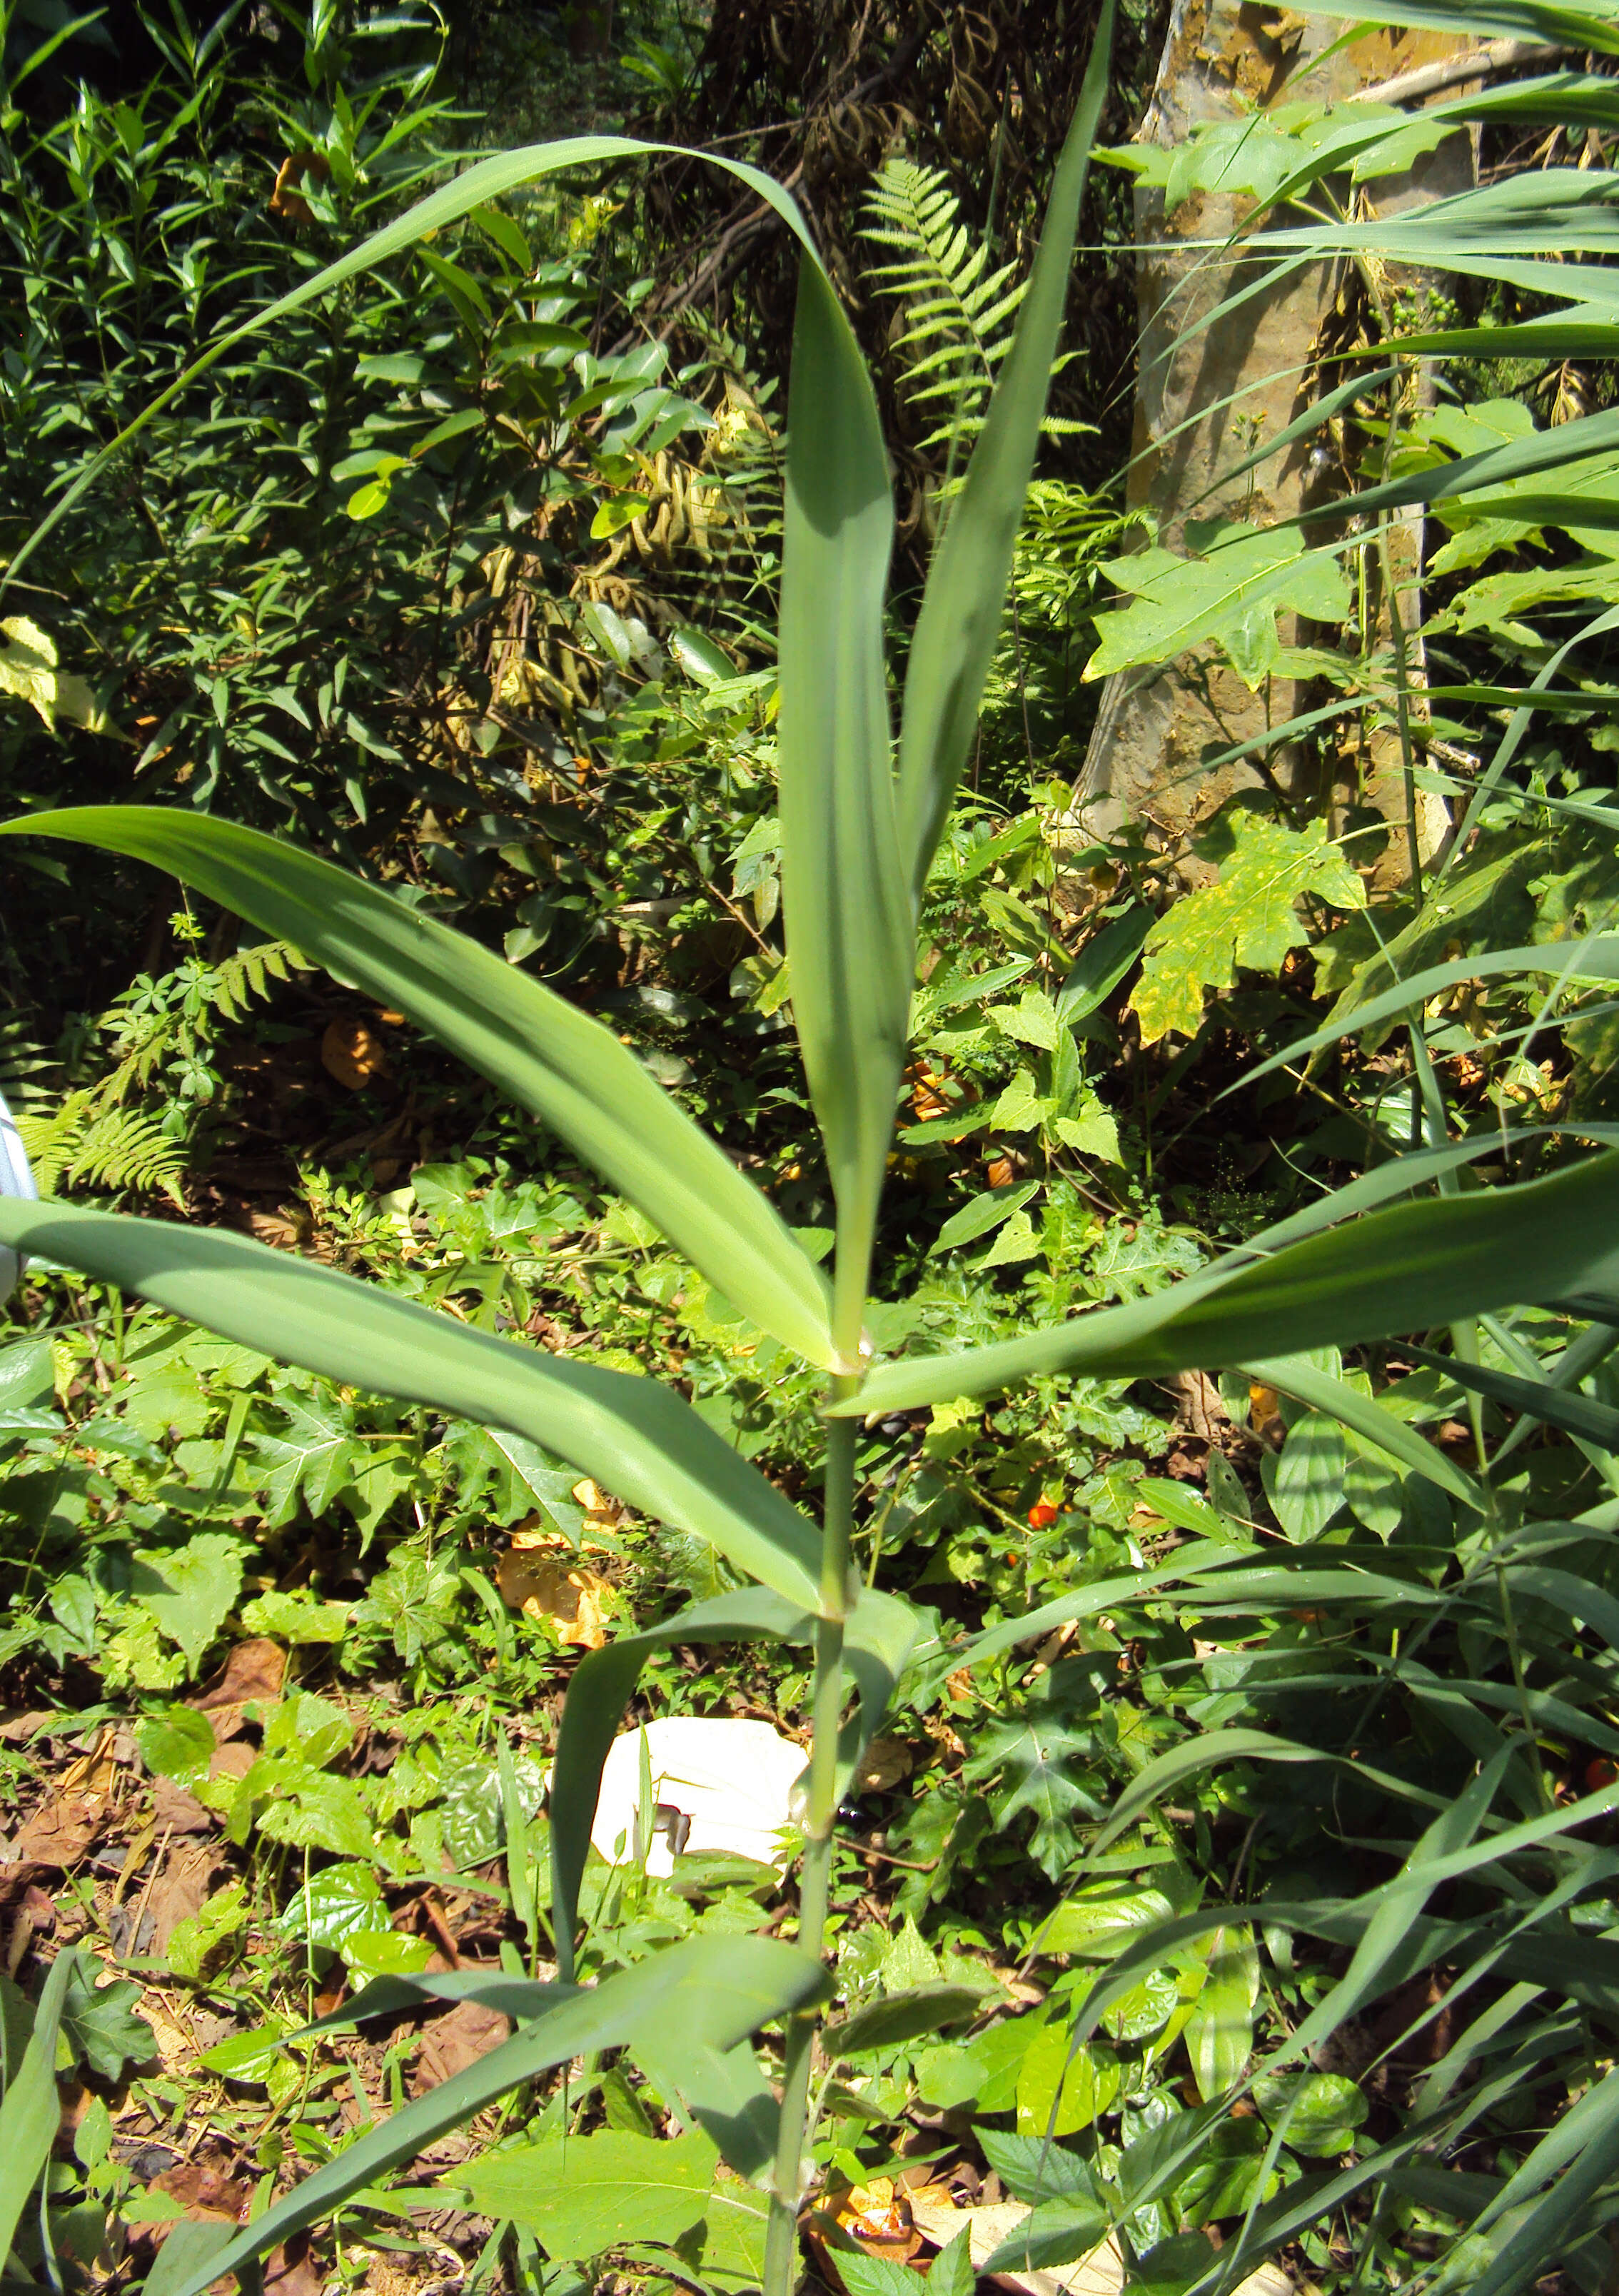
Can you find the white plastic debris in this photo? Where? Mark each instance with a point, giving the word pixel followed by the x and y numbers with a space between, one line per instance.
pixel 716 1786
pixel 16 1179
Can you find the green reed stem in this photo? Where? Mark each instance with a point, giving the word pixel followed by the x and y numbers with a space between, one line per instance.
pixel 814 1880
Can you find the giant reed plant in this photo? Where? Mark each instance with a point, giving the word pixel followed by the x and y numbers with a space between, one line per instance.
pixel 861 815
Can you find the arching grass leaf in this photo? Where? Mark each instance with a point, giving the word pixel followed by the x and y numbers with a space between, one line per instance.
pixel 631 1436
pixel 550 1057
pixel 1413 1267
pixel 845 896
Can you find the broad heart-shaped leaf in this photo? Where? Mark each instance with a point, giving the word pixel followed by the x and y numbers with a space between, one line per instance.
pixel 846 897
pixel 966 591
pixel 631 1436
pixel 190 1589
pixel 551 1058
pixel 1247 918
pixel 1413 1267
pixel 1179 602
pixel 877 1637
pixel 709 1991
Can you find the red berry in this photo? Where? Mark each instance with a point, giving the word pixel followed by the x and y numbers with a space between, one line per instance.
pixel 1043 1514
pixel 1600 1773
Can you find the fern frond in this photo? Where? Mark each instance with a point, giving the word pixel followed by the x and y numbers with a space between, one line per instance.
pixel 249 974
pixel 958 314
pixel 25 1064
pixel 117 1151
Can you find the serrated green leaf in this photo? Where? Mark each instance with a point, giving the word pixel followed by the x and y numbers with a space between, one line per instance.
pixel 190 1941
pixel 1016 1243
pixel 190 1590
pixel 1248 918
pixel 99 2023
pixel 985 1212
pixel 1055 2232
pixel 1181 601
pixel 177 1743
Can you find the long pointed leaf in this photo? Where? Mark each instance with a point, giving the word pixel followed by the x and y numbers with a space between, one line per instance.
pixel 31 2113
pixel 1413 1267
pixel 633 1436
pixel 1295 1376
pixel 1588 26
pixel 1595 959
pixel 549 1056
pixel 960 614
pixel 718 1989
pixel 845 897
pixel 1535 1399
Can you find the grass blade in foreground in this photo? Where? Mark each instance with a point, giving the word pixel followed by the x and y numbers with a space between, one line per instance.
pixel 712 1991
pixel 31 2114
pixel 1591 24
pixel 1407 1269
pixel 850 927
pixel 633 1436
pixel 551 1057
pixel 966 593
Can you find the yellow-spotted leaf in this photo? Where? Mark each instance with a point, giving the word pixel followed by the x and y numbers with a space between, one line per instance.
pixel 1247 918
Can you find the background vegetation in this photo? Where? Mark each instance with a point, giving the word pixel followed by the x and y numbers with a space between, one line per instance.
pixel 1278 1696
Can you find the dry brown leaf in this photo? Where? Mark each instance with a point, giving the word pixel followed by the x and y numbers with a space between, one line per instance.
pixel 390 2276
pixel 352 1053
pixel 287 202
pixel 61 1832
pixel 176 1811
pixel 879 2216
pixel 19 1728
pixel 277 1229
pixel 544 1586
pixel 204 2188
pixel 602 1510
pixel 887 1761
pixel 179 1892
pixel 94 1775
pixel 292 2271
pixel 181 2033
pixel 456 2040
pixel 254 1669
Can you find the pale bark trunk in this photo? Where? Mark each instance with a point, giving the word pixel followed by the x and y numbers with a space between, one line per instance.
pixel 1157 729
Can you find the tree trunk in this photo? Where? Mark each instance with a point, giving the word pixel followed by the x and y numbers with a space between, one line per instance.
pixel 1156 729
